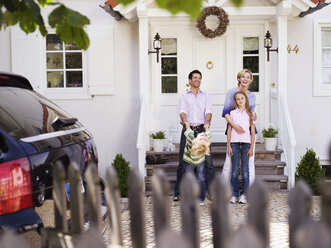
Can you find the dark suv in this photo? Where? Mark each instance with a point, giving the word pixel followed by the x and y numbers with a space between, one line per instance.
pixel 34 134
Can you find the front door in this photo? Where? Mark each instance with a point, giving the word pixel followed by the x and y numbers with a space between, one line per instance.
pixel 185 49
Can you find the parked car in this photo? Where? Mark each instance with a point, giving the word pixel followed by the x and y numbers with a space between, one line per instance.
pixel 35 133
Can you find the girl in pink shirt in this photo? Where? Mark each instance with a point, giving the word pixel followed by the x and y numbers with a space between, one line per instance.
pixel 240 145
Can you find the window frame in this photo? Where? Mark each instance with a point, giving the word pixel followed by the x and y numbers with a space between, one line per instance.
pixel 65 92
pixel 169 75
pixel 320 89
pixel 252 55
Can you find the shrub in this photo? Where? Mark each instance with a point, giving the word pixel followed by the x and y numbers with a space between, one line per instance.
pixel 157 134
pixel 122 168
pixel 310 169
pixel 270 132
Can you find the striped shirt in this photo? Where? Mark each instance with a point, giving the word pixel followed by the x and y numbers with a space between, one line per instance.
pixel 195 107
pixel 188 157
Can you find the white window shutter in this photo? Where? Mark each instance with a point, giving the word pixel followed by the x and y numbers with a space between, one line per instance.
pixel 100 60
pixel 25 55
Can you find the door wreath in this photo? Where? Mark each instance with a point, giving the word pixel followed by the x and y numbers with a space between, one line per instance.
pixel 223 22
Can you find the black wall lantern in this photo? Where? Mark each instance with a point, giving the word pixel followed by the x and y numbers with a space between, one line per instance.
pixel 268 44
pixel 156 46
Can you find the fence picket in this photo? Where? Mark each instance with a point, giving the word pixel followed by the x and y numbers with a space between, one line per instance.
pixel 190 191
pixel 59 198
pixel 161 209
pixel 93 196
pixel 76 200
pixel 171 239
pixel 300 202
pixel 221 195
pixel 137 212
pixel 10 239
pixel 113 204
pixel 246 237
pixel 325 189
pixel 312 234
pixel 257 213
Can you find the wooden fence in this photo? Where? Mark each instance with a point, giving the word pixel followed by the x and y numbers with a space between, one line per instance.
pixel 304 231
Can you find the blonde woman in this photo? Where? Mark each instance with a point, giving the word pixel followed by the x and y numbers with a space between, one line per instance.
pixel 245 78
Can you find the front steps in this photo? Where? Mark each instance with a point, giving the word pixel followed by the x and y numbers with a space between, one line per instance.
pixel 268 166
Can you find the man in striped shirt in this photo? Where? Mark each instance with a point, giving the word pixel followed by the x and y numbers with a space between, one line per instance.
pixel 195 109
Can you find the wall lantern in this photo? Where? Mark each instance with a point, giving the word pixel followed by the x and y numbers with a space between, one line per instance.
pixel 156 46
pixel 268 44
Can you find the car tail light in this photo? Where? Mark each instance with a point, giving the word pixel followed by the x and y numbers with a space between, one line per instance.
pixel 15 186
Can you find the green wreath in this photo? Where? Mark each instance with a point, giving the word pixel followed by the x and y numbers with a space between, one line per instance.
pixel 223 22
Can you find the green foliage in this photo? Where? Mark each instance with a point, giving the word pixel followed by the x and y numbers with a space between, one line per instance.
pixel 191 7
pixel 157 134
pixel 122 168
pixel 310 169
pixel 69 24
pixel 270 132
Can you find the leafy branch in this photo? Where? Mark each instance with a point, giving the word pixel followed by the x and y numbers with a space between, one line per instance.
pixel 69 24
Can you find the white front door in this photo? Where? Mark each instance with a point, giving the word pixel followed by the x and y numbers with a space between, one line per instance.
pixel 219 60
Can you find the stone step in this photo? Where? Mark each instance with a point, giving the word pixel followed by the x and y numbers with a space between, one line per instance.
pixel 219 152
pixel 262 167
pixel 273 182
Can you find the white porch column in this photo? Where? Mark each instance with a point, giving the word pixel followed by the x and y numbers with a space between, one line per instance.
pixel 283 10
pixel 143 85
pixel 143 49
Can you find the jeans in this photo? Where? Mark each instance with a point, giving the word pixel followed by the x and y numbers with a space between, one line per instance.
pixel 209 167
pixel 240 150
pixel 226 172
pixel 200 174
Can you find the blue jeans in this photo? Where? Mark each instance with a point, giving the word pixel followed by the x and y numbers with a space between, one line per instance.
pixel 240 150
pixel 200 174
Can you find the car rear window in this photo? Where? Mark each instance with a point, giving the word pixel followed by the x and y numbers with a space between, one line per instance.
pixel 25 113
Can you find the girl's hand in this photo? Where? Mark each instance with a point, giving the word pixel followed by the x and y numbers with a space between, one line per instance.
pixel 254 117
pixel 230 151
pixel 250 152
pixel 239 129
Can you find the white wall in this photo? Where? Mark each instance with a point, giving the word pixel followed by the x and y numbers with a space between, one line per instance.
pixel 112 119
pixel 311 116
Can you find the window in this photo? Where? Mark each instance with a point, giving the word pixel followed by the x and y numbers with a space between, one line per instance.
pixel 64 64
pixel 169 65
pixel 326 55
pixel 322 57
pixel 251 59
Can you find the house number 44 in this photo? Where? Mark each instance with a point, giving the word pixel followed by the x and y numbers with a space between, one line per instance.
pixel 295 49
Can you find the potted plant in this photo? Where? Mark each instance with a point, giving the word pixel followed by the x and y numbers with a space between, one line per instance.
pixel 158 140
pixel 270 139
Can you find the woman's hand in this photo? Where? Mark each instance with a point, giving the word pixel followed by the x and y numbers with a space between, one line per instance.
pixel 230 153
pixel 254 117
pixel 238 129
pixel 250 152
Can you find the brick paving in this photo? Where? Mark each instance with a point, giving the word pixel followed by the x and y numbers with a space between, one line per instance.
pixel 278 212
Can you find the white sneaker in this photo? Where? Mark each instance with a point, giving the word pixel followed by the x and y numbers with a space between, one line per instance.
pixel 234 200
pixel 243 199
pixel 202 203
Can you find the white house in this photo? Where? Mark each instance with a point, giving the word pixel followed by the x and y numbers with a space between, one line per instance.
pixel 120 92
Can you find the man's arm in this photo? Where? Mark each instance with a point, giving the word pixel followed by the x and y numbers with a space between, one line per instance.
pixel 184 120
pixel 207 123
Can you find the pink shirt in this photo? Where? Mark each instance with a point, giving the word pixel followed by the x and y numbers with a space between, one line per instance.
pixel 195 107
pixel 241 118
